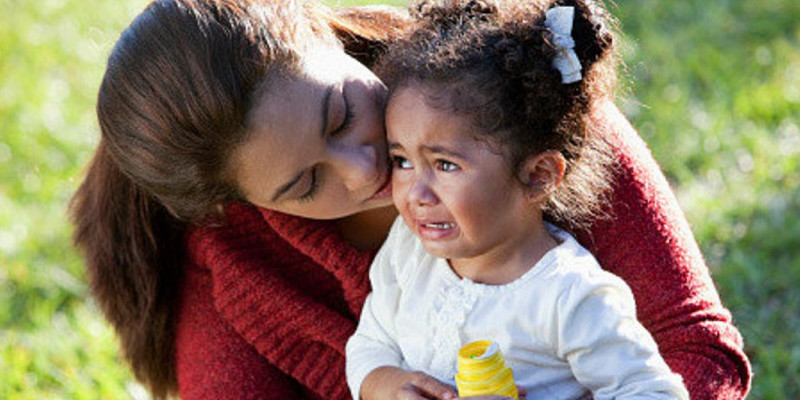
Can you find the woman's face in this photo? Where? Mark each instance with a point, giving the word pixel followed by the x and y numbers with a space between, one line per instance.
pixel 317 145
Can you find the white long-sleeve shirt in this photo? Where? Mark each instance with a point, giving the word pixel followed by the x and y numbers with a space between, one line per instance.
pixel 566 327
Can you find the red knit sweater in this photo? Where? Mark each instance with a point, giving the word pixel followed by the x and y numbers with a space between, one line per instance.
pixel 269 300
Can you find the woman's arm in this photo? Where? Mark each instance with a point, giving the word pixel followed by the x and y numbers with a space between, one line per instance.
pixel 215 362
pixel 648 243
pixel 267 303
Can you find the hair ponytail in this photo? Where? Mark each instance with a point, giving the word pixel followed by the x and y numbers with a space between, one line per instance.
pixel 595 33
pixel 582 197
pixel 131 248
pixel 591 29
pixel 559 112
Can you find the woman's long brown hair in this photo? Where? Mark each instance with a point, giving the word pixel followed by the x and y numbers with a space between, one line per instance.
pixel 171 108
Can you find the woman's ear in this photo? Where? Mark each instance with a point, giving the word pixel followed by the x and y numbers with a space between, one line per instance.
pixel 542 173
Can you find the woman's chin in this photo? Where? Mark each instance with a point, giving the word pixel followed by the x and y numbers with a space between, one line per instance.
pixel 385 191
pixel 379 202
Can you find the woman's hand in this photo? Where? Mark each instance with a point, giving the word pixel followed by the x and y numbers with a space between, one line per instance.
pixel 387 383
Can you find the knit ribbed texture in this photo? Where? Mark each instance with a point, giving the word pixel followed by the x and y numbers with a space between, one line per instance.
pixel 278 298
pixel 321 242
pixel 650 245
pixel 269 300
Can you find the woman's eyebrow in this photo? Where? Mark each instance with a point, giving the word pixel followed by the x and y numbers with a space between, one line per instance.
pixel 326 97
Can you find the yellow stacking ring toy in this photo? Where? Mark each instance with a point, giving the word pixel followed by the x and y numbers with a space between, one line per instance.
pixel 482 371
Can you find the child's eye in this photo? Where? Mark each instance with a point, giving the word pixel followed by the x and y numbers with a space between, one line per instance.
pixel 401 162
pixel 447 166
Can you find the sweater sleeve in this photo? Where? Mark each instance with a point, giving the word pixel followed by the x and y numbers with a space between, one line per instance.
pixel 322 243
pixel 374 344
pixel 213 361
pixel 608 350
pixel 302 335
pixel 650 246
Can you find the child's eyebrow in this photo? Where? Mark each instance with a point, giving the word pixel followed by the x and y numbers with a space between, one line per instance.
pixel 435 149
pixel 443 151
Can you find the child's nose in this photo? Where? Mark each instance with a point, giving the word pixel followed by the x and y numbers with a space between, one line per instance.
pixel 420 193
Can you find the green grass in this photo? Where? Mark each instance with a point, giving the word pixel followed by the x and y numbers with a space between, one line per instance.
pixel 716 94
pixel 53 344
pixel 714 88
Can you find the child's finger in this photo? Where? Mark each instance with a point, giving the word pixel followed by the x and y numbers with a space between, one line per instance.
pixel 431 388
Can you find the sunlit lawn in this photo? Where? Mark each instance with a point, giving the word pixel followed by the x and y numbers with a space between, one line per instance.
pixel 713 86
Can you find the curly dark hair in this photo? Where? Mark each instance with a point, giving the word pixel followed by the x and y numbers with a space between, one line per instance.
pixel 492 63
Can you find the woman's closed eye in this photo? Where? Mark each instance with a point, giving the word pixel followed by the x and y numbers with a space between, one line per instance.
pixel 347 119
pixel 312 187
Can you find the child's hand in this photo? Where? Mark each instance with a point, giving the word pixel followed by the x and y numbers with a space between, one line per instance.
pixel 520 391
pixel 389 383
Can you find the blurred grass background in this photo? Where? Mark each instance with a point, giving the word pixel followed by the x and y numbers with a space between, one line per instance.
pixel 713 87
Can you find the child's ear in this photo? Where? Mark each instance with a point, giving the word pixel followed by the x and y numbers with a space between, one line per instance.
pixel 542 173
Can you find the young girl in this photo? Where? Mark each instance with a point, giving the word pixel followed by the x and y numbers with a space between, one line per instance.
pixel 487 130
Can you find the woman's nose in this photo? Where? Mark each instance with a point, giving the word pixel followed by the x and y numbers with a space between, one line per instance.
pixel 357 165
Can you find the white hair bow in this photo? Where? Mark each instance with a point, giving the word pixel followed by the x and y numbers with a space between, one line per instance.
pixel 559 21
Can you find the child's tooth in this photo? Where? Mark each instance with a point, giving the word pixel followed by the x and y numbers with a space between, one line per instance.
pixel 440 225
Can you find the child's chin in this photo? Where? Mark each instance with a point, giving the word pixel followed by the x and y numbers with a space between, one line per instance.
pixel 436 250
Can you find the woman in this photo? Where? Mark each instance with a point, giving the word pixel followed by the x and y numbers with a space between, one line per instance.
pixel 239 191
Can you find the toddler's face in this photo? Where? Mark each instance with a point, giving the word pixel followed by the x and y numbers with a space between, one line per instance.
pixel 455 192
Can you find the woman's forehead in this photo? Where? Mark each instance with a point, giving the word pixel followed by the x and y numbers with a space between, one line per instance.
pixel 329 64
pixel 320 69
pixel 286 96
pixel 282 125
